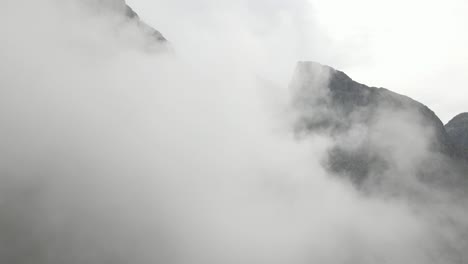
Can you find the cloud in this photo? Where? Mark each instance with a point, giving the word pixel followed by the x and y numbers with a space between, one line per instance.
pixel 113 154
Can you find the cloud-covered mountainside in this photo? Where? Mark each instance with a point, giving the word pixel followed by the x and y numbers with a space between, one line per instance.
pixel 457 130
pixel 158 37
pixel 113 153
pixel 376 130
pixel 119 8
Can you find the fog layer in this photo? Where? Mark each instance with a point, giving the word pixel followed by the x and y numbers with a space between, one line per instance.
pixel 113 152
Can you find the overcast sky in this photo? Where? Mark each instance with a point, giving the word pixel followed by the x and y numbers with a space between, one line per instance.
pixel 417 48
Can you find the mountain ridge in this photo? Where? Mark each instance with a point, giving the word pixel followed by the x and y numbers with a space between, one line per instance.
pixel 457 130
pixel 125 14
pixel 364 120
pixel 131 14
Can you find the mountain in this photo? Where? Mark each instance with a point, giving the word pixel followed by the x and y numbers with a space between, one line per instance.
pixel 156 41
pixel 377 134
pixel 132 15
pixel 457 130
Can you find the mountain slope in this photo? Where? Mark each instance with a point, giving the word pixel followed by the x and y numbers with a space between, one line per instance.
pixel 156 35
pixel 457 130
pixel 126 16
pixel 378 135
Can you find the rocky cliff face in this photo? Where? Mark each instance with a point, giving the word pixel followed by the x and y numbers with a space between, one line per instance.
pixel 378 134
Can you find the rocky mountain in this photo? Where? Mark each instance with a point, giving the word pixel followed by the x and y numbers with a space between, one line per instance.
pixel 156 35
pixel 376 133
pixel 156 41
pixel 457 130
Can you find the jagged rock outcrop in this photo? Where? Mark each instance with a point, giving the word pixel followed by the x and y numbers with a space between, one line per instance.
pixel 378 134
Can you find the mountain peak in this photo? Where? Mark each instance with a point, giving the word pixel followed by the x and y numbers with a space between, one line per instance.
pixel 463 117
pixel 155 34
pixel 312 65
pixel 457 130
pixel 329 101
pixel 121 9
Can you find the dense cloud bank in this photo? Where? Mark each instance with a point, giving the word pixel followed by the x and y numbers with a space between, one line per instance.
pixel 114 152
